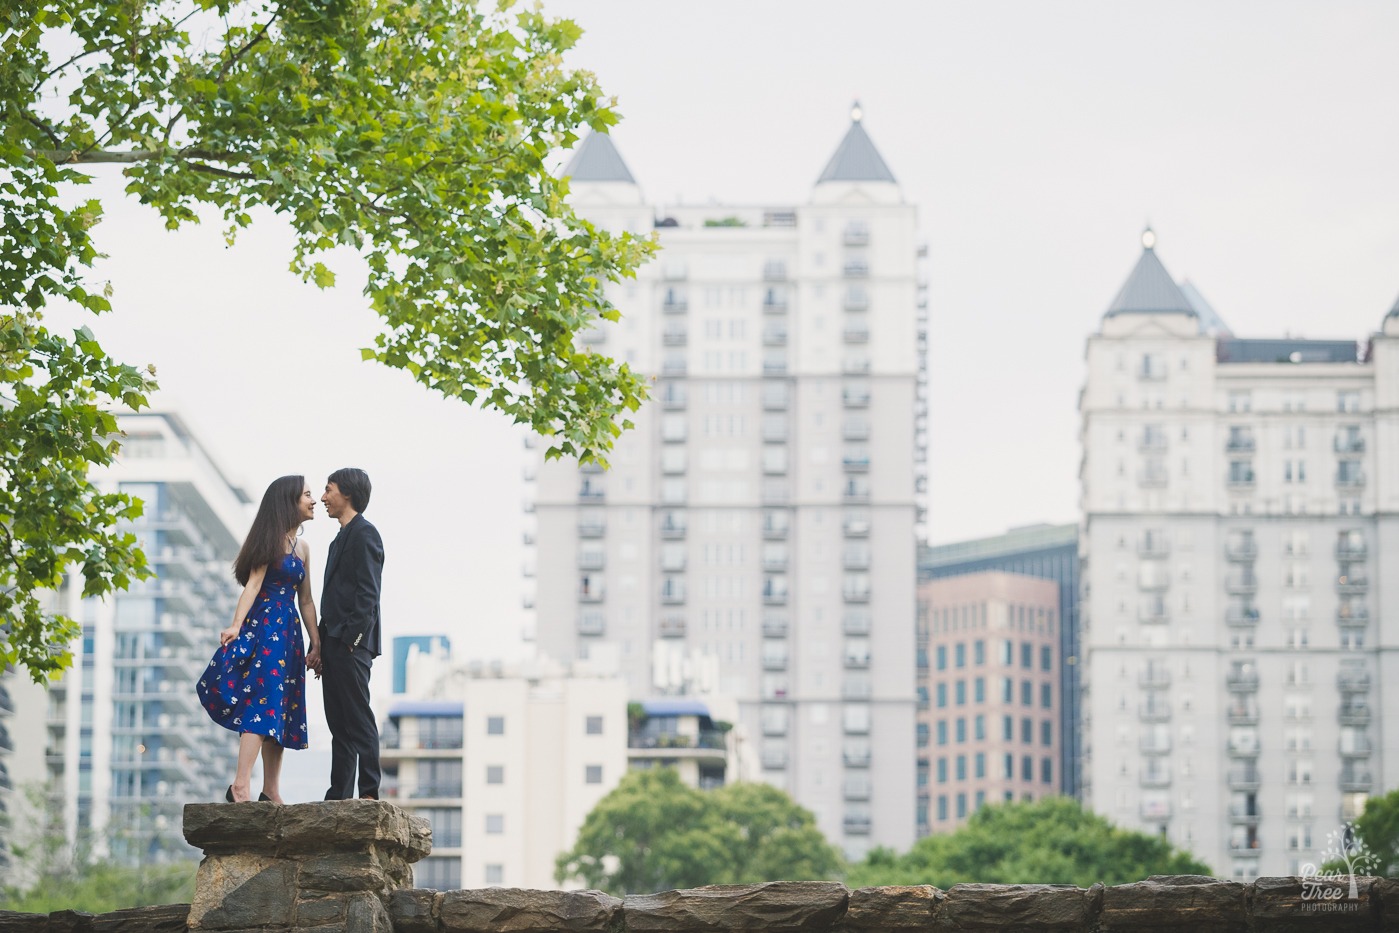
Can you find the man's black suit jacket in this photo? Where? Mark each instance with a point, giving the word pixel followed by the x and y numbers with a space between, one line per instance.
pixel 350 595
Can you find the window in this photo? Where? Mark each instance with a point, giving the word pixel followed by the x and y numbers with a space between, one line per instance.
pixel 1027 693
pixel 1007 728
pixel 1027 768
pixel 979 764
pixel 961 686
pixel 979 727
pixel 495 774
pixel 495 725
pixel 1046 695
pixel 942 657
pixel 1027 655
pixel 1027 730
pixel 942 731
pixel 1007 690
pixel 942 770
pixel 593 725
pixel 495 873
pixel 1046 733
pixel 961 729
pixel 979 652
pixel 1046 658
pixel 495 824
pixel 979 689
pixel 942 695
pixel 1046 771
pixel 960 651
pixel 592 774
pixel 961 767
pixel 942 806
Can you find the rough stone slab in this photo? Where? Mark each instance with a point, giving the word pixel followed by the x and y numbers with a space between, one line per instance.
pixel 166 918
pixel 69 921
pixel 318 911
pixel 12 921
pixel 1287 904
pixel 518 910
pixel 891 908
pixel 1194 903
pixel 419 838
pixel 775 907
pixel 231 827
pixel 413 911
pixel 346 826
pixel 366 913
pixel 1386 894
pixel 354 871
pixel 241 892
pixel 1005 907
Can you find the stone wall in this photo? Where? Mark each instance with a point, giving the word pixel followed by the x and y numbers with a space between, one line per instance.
pixel 345 867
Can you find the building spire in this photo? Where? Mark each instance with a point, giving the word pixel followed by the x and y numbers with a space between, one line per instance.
pixel 597 159
pixel 1150 288
pixel 855 158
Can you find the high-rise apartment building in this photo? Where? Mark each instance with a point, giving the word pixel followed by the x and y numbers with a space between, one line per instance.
pixel 988 653
pixel 754 536
pixel 127 743
pixel 1051 553
pixel 1240 501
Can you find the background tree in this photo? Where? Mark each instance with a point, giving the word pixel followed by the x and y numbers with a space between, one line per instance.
pixel 1377 830
pixel 653 833
pixel 47 871
pixel 1052 841
pixel 417 134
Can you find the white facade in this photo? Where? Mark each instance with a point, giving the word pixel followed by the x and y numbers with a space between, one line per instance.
pixel 126 743
pixel 505 762
pixel 1240 533
pixel 754 535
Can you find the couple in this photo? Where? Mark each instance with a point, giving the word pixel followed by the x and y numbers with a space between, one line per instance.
pixel 256 683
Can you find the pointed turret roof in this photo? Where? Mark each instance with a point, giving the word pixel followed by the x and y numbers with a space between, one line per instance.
pixel 1394 311
pixel 1150 288
pixel 597 159
pixel 1210 321
pixel 855 158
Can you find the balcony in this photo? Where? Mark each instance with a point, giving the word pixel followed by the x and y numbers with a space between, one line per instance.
pixel 673 595
pixel 1151 477
pixel 775 562
pixel 592 623
pixel 1352 585
pixel 1241 616
pixel 1241 549
pixel 774 626
pixel 1152 711
pixel 775 400
pixel 1353 681
pixel 1351 550
pixel 1154 614
pixel 1239 443
pixel 774 597
pixel 1153 546
pixel 857 660
pixel 1154 744
pixel 1241 480
pixel 855 463
pixel 672 626
pixel 857 790
pixel 1247 815
pixel 1358 747
pixel 774 660
pixel 774 336
pixel 854 365
pixel 1349 444
pixel 1244 778
pixel 856 301
pixel 591 560
pixel 674 368
pixel 1154 677
pixel 856 758
pixel 856 398
pixel 1246 848
pixel 856 594
pixel 1354 714
pixel 672 530
pixel 774 759
pixel 1152 442
pixel 774 367
pixel 857 825
pixel 1155 810
pixel 674 304
pixel 855 430
pixel 590 496
pixel 856 235
pixel 1353 618
pixel 774 271
pixel 1241 584
pixel 1350 480
pixel 855 269
pixel 775 432
pixel 1155 777
pixel 856 527
pixel 1242 748
pixel 775 530
pixel 1242 680
pixel 1355 781
pixel 854 495
pixel 855 333
pixel 856 622
pixel 1242 715
pixel 774 304
pixel 675 337
pixel 856 558
pixel 856 688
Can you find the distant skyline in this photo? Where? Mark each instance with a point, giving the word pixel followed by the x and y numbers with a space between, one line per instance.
pixel 1037 140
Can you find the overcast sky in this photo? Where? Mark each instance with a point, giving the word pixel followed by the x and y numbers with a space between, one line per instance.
pixel 1260 139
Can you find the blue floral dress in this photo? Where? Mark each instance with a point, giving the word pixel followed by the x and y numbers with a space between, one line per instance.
pixel 257 682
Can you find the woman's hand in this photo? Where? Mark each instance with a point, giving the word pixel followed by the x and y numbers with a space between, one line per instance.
pixel 230 633
pixel 313 660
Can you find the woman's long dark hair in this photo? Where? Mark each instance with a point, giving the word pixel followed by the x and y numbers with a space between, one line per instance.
pixel 276 517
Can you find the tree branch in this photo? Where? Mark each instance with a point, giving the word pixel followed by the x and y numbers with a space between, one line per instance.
pixel 220 172
pixel 44 128
pixel 78 157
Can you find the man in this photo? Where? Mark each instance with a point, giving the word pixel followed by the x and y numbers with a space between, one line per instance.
pixel 350 636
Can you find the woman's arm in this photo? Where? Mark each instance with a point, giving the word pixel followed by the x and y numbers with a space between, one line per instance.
pixel 307 601
pixel 245 604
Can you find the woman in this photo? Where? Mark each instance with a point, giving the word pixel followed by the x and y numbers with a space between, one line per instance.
pixel 256 683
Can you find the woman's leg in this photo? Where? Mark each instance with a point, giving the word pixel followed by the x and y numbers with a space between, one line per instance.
pixel 248 745
pixel 272 768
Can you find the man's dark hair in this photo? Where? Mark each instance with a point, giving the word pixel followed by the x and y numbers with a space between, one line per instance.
pixel 354 485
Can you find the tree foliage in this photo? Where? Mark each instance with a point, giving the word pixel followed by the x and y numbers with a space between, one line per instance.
pixel 652 833
pixel 417 134
pixel 1049 841
pixel 1377 830
pixel 48 871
